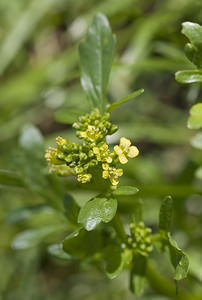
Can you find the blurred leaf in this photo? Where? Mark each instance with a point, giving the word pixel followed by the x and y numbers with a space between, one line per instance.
pixel 189 76
pixel 199 173
pixel 67 116
pixel 96 211
pixel 57 251
pixel 195 119
pixel 82 243
pixel 165 214
pixel 33 237
pixel 116 259
pixel 96 55
pixel 23 213
pixel 137 275
pixel 71 209
pixel 30 137
pixel 10 179
pixel 125 99
pixel 137 212
pixel 179 259
pixel 125 191
pixel 196 141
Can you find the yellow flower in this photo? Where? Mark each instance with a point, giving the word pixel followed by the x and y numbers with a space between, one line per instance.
pixel 51 156
pixel 91 134
pixel 102 153
pixel 84 178
pixel 111 173
pixel 125 150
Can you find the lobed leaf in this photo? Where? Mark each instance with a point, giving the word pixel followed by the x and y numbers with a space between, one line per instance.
pixel 96 55
pixel 96 211
pixel 178 259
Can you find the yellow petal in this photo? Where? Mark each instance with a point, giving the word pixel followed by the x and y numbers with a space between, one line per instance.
pixel 105 167
pixel 133 152
pixel 125 143
pixel 83 134
pixel 123 159
pixel 114 181
pixel 96 150
pixel 118 150
pixel 108 159
pixel 105 174
pixel 119 172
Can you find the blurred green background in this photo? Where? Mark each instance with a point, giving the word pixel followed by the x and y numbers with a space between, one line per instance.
pixel 40 94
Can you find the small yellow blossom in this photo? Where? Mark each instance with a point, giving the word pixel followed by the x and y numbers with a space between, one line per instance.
pixel 84 178
pixel 125 150
pixel 111 173
pixel 91 134
pixel 51 156
pixel 102 153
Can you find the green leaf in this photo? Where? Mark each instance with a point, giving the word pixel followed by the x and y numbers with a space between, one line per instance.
pixel 82 243
pixel 96 211
pixel 195 119
pixel 67 116
pixel 57 251
pixel 137 211
pixel 189 76
pixel 33 237
pixel 193 32
pixel 179 260
pixel 126 191
pixel 165 214
pixel 96 55
pixel 10 178
pixel 125 99
pixel 116 259
pixel 71 209
pixel 196 141
pixel 137 275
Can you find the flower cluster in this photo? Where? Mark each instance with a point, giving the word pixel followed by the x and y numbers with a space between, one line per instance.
pixel 140 239
pixel 80 159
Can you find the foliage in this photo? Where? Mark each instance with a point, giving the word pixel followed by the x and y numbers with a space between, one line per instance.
pixel 41 95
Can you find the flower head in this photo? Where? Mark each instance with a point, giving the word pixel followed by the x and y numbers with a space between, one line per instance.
pixel 125 150
pixel 111 173
pixel 102 153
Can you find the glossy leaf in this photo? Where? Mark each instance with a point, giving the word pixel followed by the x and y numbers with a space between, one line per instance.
pixel 117 259
pixel 82 243
pixel 195 119
pixel 137 275
pixel 96 55
pixel 125 99
pixel 165 214
pixel 96 211
pixel 126 191
pixel 71 208
pixel 57 251
pixel 189 76
pixel 179 260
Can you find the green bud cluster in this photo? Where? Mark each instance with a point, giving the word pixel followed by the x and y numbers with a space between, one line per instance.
pixel 94 127
pixel 140 239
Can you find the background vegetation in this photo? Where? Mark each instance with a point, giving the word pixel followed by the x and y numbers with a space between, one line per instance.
pixel 39 71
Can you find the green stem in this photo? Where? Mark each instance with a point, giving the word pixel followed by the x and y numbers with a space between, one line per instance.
pixel 165 287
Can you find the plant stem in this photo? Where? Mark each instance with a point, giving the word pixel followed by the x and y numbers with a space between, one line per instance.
pixel 165 287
